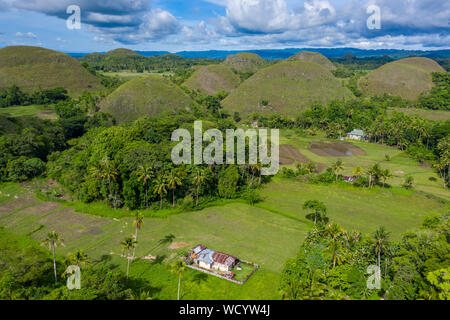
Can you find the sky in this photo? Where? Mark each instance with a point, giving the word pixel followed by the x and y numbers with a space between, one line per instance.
pixel 197 25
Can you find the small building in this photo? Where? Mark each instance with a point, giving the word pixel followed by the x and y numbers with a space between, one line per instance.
pixel 212 260
pixel 356 135
pixel 349 179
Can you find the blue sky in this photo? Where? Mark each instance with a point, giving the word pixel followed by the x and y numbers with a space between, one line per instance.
pixel 177 25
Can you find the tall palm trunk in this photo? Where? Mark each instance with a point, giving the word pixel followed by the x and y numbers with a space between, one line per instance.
pixel 160 203
pixel 135 238
pixel 54 262
pixel 146 195
pixel 196 203
pixel 128 267
pixel 179 284
pixel 173 198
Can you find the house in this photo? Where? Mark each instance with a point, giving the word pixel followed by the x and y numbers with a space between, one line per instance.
pixel 212 260
pixel 356 135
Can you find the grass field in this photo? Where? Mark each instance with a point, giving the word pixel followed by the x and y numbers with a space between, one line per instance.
pixel 267 234
pixel 130 75
pixel 426 179
pixel 213 79
pixel 436 115
pixel 42 112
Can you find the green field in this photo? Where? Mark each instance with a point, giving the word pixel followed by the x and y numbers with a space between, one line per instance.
pixel 43 112
pixel 435 115
pixel 266 234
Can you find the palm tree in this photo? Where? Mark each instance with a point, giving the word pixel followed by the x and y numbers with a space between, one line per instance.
pixel 128 246
pixel 178 268
pixel 335 249
pixel 52 240
pixel 79 258
pixel 257 168
pixel 145 174
pixel 319 210
pixel 385 175
pixel 160 188
pixel 381 237
pixel 358 171
pixel 139 223
pixel 173 181
pixel 106 170
pixel 199 179
pixel 338 166
pixel 142 295
pixel 311 167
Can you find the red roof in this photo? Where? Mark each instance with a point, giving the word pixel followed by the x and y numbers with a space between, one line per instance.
pixel 223 258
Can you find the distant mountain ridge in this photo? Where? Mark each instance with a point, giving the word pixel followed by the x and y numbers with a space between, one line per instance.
pixel 274 54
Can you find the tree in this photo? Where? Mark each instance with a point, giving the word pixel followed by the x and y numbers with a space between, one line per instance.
pixel 385 175
pixel 381 244
pixel 128 246
pixel 160 188
pixel 338 166
pixel 145 174
pixel 178 268
pixel 319 211
pixel 105 171
pixel 199 179
pixel 311 167
pixel 409 182
pixel 358 171
pixel 139 223
pixel 52 240
pixel 79 258
pixel 173 181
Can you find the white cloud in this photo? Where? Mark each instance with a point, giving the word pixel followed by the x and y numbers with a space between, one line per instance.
pixel 29 35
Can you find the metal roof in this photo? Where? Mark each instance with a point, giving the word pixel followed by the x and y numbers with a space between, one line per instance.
pixel 211 256
pixel 357 132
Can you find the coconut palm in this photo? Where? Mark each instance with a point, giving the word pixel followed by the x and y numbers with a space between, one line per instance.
pixel 128 246
pixel 199 179
pixel 52 240
pixel 338 166
pixel 145 174
pixel 381 244
pixel 336 251
pixel 178 268
pixel 311 167
pixel 173 181
pixel 358 171
pixel 79 258
pixel 160 188
pixel 105 171
pixel 385 175
pixel 139 223
pixel 318 211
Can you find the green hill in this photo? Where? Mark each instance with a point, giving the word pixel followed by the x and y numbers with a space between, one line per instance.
pixel 31 68
pixel 212 79
pixel 286 88
pixel 313 57
pixel 147 96
pixel 245 62
pixel 123 52
pixel 406 78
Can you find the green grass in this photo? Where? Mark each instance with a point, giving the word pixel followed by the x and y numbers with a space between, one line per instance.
pixel 145 96
pixel 435 115
pixel 33 68
pixel 400 164
pixel 213 79
pixel 314 57
pixel 288 87
pixel 406 78
pixel 130 75
pixel 42 112
pixel 245 62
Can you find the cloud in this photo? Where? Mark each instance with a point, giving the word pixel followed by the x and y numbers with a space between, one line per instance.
pixel 29 35
pixel 127 21
pixel 4 5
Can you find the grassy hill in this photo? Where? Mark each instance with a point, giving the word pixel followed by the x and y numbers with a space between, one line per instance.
pixel 245 62
pixel 406 78
pixel 123 52
pixel 212 79
pixel 287 87
pixel 313 57
pixel 147 96
pixel 32 68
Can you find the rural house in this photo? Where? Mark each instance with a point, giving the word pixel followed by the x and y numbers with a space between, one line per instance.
pixel 356 135
pixel 212 260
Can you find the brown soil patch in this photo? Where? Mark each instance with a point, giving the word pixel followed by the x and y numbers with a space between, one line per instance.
pixel 178 245
pixel 289 154
pixel 41 208
pixel 337 149
pixel 24 200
